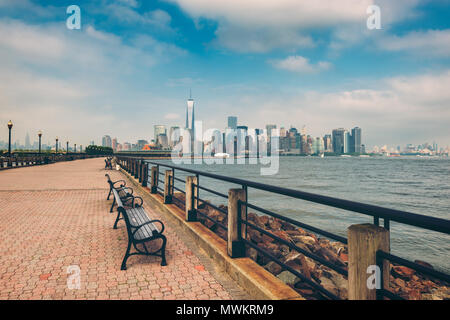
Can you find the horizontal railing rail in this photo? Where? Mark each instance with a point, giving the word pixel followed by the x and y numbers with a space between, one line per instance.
pixel 377 212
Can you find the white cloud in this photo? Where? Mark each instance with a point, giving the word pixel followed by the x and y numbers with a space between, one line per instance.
pixel 77 83
pixel 431 43
pixel 300 64
pixel 262 26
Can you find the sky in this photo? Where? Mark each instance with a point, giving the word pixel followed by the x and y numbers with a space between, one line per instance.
pixel 287 62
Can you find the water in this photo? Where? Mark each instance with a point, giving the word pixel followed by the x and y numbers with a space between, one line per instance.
pixel 415 184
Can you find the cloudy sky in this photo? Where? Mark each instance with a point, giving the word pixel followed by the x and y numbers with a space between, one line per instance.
pixel 288 62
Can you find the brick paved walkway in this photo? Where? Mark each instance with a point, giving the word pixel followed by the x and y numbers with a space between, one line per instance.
pixel 56 216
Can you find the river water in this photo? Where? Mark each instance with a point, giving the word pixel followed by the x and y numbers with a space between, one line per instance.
pixel 415 184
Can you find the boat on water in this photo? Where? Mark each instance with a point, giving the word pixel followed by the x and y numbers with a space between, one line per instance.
pixel 221 155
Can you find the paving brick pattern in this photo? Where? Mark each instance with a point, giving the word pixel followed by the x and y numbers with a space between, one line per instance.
pixel 56 216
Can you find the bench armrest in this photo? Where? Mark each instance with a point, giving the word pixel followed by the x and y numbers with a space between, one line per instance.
pixel 126 201
pixel 125 188
pixel 146 223
pixel 122 185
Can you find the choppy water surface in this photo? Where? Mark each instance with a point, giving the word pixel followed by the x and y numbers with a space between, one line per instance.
pixel 418 185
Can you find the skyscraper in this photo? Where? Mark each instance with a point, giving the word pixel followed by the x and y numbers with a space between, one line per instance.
pixel 356 140
pixel 27 142
pixel 106 141
pixel 159 129
pixel 339 140
pixel 232 122
pixel 190 117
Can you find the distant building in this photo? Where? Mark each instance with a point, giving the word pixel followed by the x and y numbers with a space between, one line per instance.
pixel 269 128
pixel 159 129
pixel 339 140
pixel 106 141
pixel 355 141
pixel 328 146
pixel 190 115
pixel 141 144
pixel 162 141
pixel 232 122
pixel 174 136
pixel 114 144
pixel 27 142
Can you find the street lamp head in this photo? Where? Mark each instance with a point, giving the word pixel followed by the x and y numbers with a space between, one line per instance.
pixel 10 124
pixel 39 133
pixel 57 139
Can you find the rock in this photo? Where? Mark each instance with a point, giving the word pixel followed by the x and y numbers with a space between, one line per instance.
pixel 287 226
pixel 263 220
pixel 255 236
pixel 283 235
pixel 329 285
pixel 424 264
pixel 399 282
pixel 402 272
pixel 284 249
pixel 274 224
pixel 288 278
pixel 302 246
pixel 305 239
pixel 343 256
pixel 273 268
pixel 300 265
pixel 252 254
pixel 266 238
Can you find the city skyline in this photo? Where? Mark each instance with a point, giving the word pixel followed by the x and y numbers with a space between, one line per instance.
pixel 131 65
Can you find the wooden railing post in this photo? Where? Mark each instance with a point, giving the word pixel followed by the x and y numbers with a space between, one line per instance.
pixel 364 240
pixel 145 175
pixel 140 166
pixel 154 180
pixel 168 186
pixel 236 247
pixel 191 194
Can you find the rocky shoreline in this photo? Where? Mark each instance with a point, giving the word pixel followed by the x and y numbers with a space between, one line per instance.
pixel 403 281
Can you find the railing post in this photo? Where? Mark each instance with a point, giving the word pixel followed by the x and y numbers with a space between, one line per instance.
pixel 364 240
pixel 236 247
pixel 168 186
pixel 154 180
pixel 191 194
pixel 145 175
pixel 140 166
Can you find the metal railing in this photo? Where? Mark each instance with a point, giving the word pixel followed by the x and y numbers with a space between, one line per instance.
pixel 26 161
pixel 376 212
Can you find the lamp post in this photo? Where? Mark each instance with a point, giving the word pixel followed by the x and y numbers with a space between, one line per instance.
pixel 75 148
pixel 81 148
pixel 10 125
pixel 67 146
pixel 40 136
pixel 56 145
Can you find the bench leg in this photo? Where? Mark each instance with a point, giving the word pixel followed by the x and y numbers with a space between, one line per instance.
pixel 110 190
pixel 117 220
pixel 112 206
pixel 163 251
pixel 125 258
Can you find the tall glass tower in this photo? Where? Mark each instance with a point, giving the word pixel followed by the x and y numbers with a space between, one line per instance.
pixel 190 118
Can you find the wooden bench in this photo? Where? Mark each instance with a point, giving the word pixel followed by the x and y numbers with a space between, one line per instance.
pixel 140 229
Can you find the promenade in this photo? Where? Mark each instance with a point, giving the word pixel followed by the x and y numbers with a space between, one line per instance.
pixel 56 216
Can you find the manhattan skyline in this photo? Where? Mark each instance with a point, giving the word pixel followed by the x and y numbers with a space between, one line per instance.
pixel 131 65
